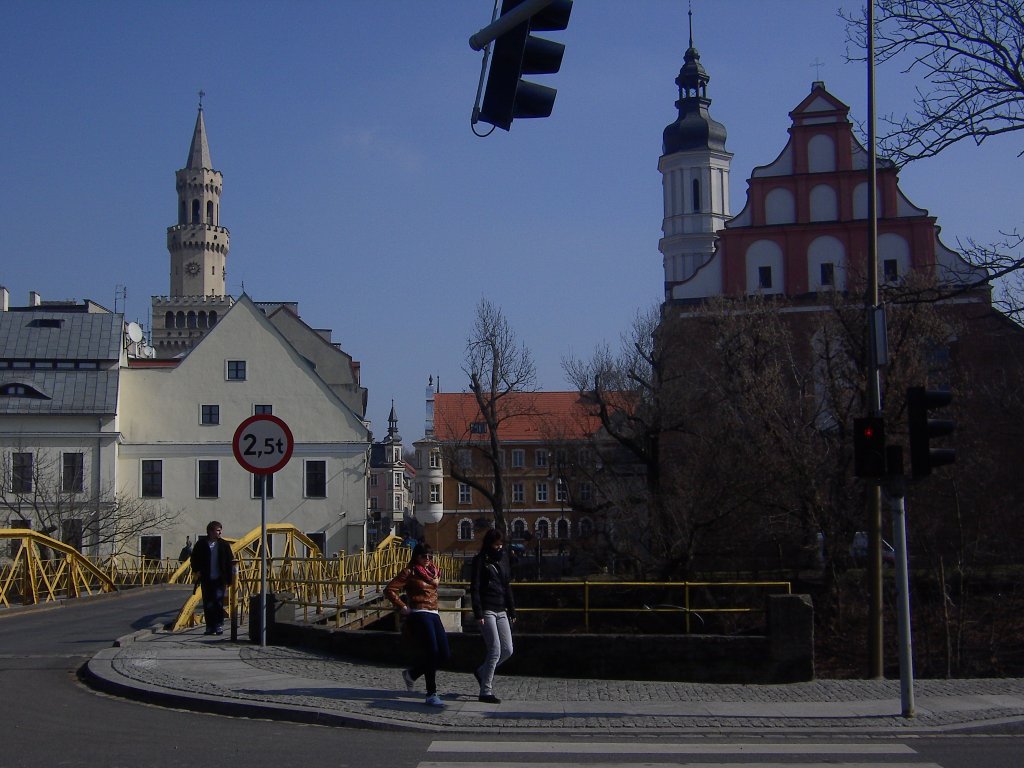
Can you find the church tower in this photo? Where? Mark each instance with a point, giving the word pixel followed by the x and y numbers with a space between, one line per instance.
pixel 695 183
pixel 198 246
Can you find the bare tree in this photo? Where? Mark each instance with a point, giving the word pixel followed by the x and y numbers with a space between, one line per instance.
pixel 970 53
pixel 37 490
pixel 498 367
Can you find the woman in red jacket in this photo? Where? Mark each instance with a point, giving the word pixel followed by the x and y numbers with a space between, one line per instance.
pixel 419 580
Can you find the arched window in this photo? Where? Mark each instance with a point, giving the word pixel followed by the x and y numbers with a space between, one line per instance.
pixel 202 319
pixel 181 213
pixel 212 319
pixel 586 528
pixel 465 530
pixel 179 320
pixel 696 194
pixel 191 319
pixel 764 267
pixel 823 203
pixel 519 528
pixel 209 211
pixel 195 211
pixel 169 320
pixel 562 528
pixel 543 528
pixel 821 154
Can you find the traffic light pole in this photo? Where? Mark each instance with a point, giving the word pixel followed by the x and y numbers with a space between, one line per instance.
pixel 874 386
pixel 894 495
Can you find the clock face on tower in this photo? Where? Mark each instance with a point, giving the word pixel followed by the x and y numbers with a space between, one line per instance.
pixel 192 267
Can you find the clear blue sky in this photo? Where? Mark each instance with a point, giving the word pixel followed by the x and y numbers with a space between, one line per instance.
pixel 352 182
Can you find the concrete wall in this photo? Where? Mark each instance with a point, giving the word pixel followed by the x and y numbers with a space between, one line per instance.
pixel 784 654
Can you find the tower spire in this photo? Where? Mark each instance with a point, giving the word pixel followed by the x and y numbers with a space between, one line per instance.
pixel 199 149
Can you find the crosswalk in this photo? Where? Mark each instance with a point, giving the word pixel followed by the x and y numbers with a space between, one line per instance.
pixel 632 754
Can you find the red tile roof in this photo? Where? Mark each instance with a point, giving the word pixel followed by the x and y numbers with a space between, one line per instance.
pixel 529 417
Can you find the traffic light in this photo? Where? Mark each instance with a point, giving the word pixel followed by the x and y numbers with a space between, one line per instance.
pixel 518 53
pixel 922 429
pixel 869 446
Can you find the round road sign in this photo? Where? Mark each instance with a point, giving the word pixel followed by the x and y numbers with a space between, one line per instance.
pixel 263 444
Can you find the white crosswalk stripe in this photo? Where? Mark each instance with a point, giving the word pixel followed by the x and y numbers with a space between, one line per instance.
pixel 840 755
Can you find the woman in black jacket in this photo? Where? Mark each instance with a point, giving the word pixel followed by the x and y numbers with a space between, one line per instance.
pixel 493 609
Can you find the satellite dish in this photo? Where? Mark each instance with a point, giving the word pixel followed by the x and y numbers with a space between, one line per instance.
pixel 135 332
pixel 148 351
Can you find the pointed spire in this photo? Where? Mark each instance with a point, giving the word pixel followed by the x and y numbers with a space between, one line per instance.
pixel 199 151
pixel 695 128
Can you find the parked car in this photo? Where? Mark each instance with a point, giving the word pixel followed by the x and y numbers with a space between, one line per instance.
pixel 859 550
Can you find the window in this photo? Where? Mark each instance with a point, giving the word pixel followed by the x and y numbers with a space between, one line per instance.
pixel 418 494
pixel 891 270
pixel 561 490
pixel 540 458
pixel 465 530
pixel 316 479
pixel 257 486
pixel 209 414
pixel 478 428
pixel 435 460
pixel 21 473
pixel 397 506
pixel 374 481
pixel 72 476
pixel 152 478
pixel 236 370
pixel 517 493
pixel 435 493
pixel 397 455
pixel 519 528
pixel 542 491
pixel 258 410
pixel 586 491
pixel 827 274
pixel 373 502
pixel 543 529
pixel 396 479
pixel 209 478
pixel 465 493
pixel 562 528
pixel 696 194
pixel 764 277
pixel 71 533
pixel 586 528
pixel 320 539
pixel 151 547
pixel 518 458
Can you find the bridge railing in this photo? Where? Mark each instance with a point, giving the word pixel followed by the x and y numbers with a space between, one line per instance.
pixel 41 569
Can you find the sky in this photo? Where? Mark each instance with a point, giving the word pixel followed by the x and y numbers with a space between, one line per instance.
pixel 354 185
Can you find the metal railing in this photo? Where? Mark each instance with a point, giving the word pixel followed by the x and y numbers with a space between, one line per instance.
pixel 43 570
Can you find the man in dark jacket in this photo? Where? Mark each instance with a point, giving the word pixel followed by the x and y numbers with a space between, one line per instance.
pixel 212 560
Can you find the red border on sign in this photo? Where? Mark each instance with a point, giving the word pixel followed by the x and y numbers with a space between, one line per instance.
pixel 237 450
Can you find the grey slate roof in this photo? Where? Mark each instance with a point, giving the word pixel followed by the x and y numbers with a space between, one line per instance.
pixel 77 337
pixel 81 336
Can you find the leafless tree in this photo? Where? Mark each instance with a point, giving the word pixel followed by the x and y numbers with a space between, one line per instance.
pixel 39 492
pixel 498 367
pixel 970 54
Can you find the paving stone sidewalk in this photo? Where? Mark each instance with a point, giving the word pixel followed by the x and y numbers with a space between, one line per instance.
pixel 194 671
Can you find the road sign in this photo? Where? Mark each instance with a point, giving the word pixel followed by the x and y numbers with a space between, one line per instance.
pixel 263 444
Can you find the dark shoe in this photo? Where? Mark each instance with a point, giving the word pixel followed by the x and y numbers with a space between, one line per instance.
pixel 218 631
pixel 489 698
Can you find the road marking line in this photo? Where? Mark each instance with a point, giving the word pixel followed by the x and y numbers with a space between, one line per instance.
pixel 659 748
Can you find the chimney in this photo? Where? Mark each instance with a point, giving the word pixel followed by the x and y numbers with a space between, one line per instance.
pixel 5 299
pixel 34 299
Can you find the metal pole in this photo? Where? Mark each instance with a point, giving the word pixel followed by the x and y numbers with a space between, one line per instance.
pixel 513 18
pixel 263 564
pixel 895 491
pixel 874 386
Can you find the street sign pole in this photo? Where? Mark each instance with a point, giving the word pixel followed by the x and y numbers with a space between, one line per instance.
pixel 263 444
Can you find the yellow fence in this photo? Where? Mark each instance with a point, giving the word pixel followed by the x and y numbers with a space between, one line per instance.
pixel 43 570
pixel 318 584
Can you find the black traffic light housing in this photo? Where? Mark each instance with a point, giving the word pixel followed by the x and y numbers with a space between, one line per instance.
pixel 922 429
pixel 869 446
pixel 517 53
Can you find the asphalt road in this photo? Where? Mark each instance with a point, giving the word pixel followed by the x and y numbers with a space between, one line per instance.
pixel 49 718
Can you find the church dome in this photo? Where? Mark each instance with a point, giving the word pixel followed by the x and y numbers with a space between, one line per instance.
pixel 695 128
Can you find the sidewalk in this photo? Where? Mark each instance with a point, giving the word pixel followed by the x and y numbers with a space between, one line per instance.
pixel 194 671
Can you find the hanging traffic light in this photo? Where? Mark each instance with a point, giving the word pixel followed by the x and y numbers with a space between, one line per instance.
pixel 869 446
pixel 922 429
pixel 517 53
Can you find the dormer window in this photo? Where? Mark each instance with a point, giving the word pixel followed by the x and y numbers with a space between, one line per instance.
pixel 46 322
